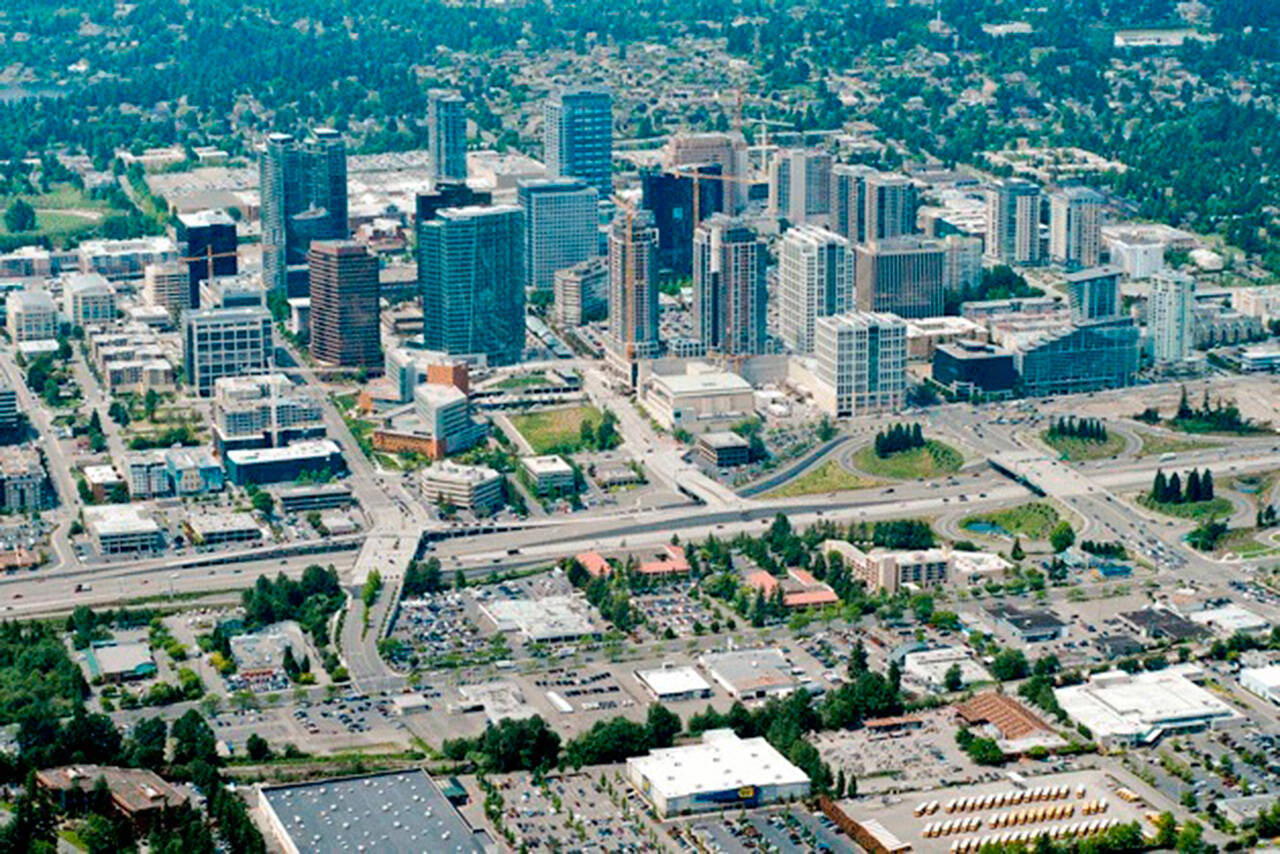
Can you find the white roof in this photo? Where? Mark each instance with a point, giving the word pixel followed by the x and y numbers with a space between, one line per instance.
pixel 547 464
pixel 1265 677
pixel 541 619
pixel 712 383
pixel 117 519
pixel 298 450
pixel 1139 705
pixel 668 681
pixel 1230 619
pixel 723 761
pixel 447 471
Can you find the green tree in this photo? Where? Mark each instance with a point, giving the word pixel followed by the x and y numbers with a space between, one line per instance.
pixel 257 748
pixel 263 502
pixel 20 216
pixel 1062 537
pixel 954 679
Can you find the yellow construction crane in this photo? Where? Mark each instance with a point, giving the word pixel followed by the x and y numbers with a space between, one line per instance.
pixel 209 255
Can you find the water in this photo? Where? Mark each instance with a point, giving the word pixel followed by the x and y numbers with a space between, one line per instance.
pixel 980 527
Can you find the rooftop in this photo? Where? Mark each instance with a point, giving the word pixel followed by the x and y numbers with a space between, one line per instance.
pixel 118 659
pixel 665 681
pixel 723 439
pixel 747 671
pixel 710 383
pixel 548 464
pixel 402 811
pixel 722 762
pixel 118 520
pixel 298 450
pixel 1140 706
pixel 133 790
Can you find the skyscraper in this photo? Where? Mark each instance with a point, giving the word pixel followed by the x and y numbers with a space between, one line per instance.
pixel 209 236
pixel 304 197
pixel 225 342
pixel 345 322
pixel 1094 294
pixel 447 135
pixel 1013 222
pixel 800 186
pixel 670 198
pixel 1169 316
pixel 890 206
pixel 815 279
pixel 1075 227
pixel 903 276
pixel 633 286
pixel 728 150
pixel 729 297
pixel 471 271
pixel 578 137
pixel 861 363
pixel 559 227
pixel 849 200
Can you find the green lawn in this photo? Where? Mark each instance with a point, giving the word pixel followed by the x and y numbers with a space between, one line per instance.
pixel 1083 449
pixel 1154 444
pixel 828 477
pixel 1034 520
pixel 55 218
pixel 935 459
pixel 1242 542
pixel 556 430
pixel 522 381
pixel 1189 510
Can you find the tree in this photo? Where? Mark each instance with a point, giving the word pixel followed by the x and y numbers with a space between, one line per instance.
pixel 1009 664
pixel 146 744
pixel 1017 553
pixel 20 216
pixel 954 679
pixel 263 502
pixel 1062 537
pixel 662 726
pixel 257 748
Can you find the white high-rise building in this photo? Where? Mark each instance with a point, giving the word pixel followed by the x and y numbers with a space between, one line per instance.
pixel 447 135
pixel 1075 227
pixel 890 206
pixel 1013 222
pixel 559 227
pixel 861 363
pixel 962 262
pixel 1169 316
pixel 800 186
pixel 815 279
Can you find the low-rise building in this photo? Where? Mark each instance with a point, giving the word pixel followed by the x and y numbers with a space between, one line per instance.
pixel 799 588
pixel 698 402
pixel 212 529
pixel 139 796
pixel 1157 623
pixel 1262 681
pixel 724 449
pixel 440 422
pixel 892 570
pixel 102 481
pixel 972 368
pixel 1141 708
pixel 125 259
pixel 551 619
pixel 121 528
pixel 30 316
pixel 147 474
pixel 314 496
pixel 722 772
pixel 120 662
pixel 193 471
pixel 670 684
pixel 549 474
pixel 1015 728
pixel 1029 626
pixel 750 674
pixel 476 488
pixel 316 457
pixel 926 334
pixel 1230 619
pixel 929 667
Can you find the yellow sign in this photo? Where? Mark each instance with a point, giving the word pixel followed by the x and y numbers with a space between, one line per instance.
pixel 747 792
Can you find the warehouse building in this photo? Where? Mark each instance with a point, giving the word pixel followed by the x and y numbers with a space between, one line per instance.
pixel 1263 681
pixel 751 674
pixel 552 619
pixel 723 772
pixel 929 667
pixel 399 812
pixel 1141 708
pixel 674 684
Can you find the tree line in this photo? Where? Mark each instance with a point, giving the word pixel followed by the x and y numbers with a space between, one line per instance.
pixel 1171 490
pixel 899 437
pixel 1088 429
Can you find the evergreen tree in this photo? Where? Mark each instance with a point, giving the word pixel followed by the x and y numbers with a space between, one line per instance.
pixel 1184 407
pixel 1174 494
pixel 1193 486
pixel 1206 486
pixel 1159 487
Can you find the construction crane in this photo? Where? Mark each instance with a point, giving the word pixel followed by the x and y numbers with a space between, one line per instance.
pixel 209 255
pixel 697 176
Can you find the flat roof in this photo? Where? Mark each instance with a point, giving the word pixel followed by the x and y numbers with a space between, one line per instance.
pixel 1268 677
pixel 451 472
pixel 118 519
pixel 723 439
pixel 671 681
pixel 114 659
pixel 551 617
pixel 402 811
pixel 711 383
pixel 1140 705
pixel 1230 619
pixel 305 449
pixel 750 670
pixel 722 762
pixel 546 464
pixel 218 523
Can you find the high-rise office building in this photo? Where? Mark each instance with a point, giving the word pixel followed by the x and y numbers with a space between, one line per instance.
pixel 963 262
pixel 1169 316
pixel 849 200
pixel 208 237
pixel 559 227
pixel 303 189
pixel 447 135
pixel 815 279
pixel 1013 222
pixel 582 292
pixel 800 186
pixel 890 206
pixel 578 137
pixel 471 272
pixel 728 150
pixel 633 286
pixel 225 342
pixel 903 276
pixel 1078 358
pixel 345 323
pixel 669 197
pixel 1075 227
pixel 1094 294
pixel 729 297
pixel 861 363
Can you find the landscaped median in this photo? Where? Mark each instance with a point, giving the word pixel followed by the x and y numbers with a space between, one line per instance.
pixel 934 459
pixel 1034 520
pixel 830 476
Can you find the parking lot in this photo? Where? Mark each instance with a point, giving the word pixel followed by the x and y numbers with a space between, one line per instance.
pixel 329 726
pixel 440 631
pixel 785 830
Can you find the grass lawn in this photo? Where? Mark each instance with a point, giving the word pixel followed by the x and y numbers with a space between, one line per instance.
pixel 62 212
pixel 1189 510
pixel 1083 449
pixel 828 477
pixel 1241 542
pixel 557 430
pixel 1034 520
pixel 1153 444
pixel 933 460
pixel 522 381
